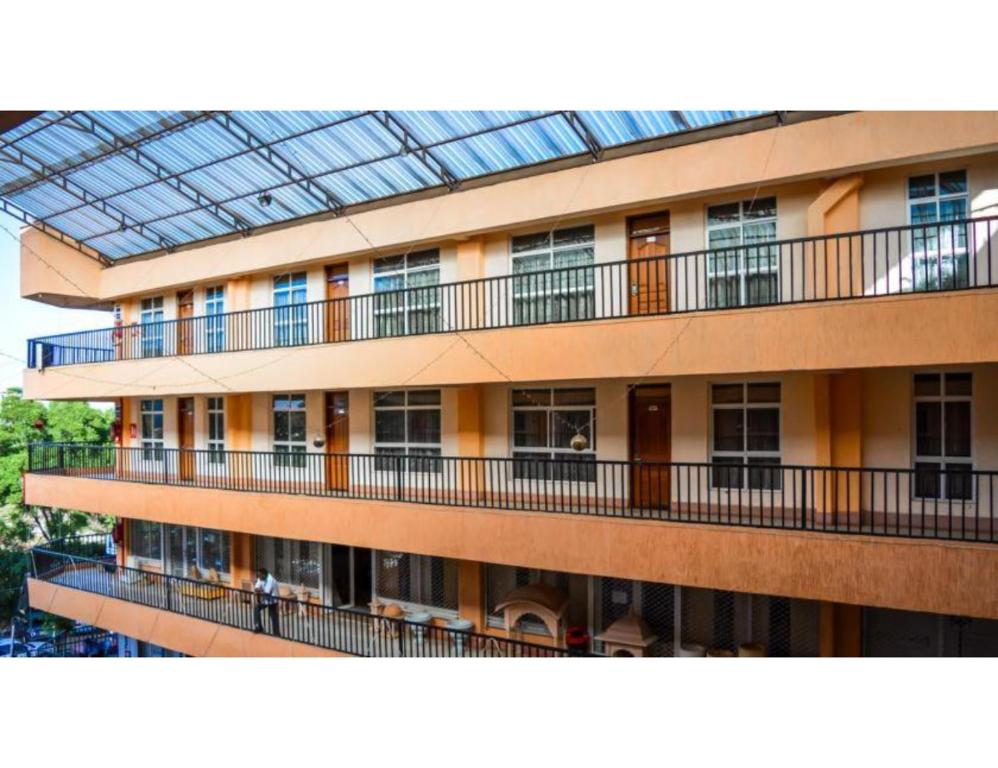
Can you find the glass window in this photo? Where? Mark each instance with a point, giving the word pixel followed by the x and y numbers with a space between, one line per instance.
pixel 407 423
pixel 407 296
pixel 290 312
pixel 742 265
pixel 152 327
pixel 216 430
pixel 745 431
pixel 202 548
pixel 416 579
pixel 554 278
pixel 943 444
pixel 292 562
pixel 151 419
pixel 214 307
pixel 544 423
pixel 289 430
pixel 937 209
pixel 145 540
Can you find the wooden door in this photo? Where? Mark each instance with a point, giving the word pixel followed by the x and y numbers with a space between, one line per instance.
pixel 648 237
pixel 338 308
pixel 337 441
pixel 651 442
pixel 185 326
pixel 185 428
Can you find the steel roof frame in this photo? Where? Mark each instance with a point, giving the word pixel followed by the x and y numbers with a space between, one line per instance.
pixel 390 123
pixel 276 161
pixel 245 151
pixel 52 176
pixel 109 137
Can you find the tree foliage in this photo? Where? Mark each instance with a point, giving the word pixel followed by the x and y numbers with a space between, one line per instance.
pixel 23 422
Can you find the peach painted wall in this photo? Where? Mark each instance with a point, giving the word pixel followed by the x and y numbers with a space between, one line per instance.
pixel 921 329
pixel 815 149
pixel 898 573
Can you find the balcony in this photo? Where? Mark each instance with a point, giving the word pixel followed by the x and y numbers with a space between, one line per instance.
pixel 956 504
pixel 897 261
pixel 83 564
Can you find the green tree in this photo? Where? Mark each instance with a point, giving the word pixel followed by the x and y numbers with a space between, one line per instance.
pixel 23 422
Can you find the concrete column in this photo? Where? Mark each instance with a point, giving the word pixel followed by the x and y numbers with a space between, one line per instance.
pixel 839 443
pixel 239 432
pixel 837 269
pixel 241 558
pixel 471 592
pixel 470 300
pixel 471 440
pixel 840 629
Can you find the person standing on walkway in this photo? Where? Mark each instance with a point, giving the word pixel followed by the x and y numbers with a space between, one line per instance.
pixel 266 599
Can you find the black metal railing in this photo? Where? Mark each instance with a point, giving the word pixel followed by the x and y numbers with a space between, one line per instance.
pixel 954 502
pixel 948 256
pixel 339 629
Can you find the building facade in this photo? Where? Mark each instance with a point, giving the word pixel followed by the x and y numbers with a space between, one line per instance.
pixel 733 396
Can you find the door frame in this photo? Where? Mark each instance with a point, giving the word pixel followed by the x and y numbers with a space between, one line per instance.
pixel 657 272
pixel 635 482
pixel 337 471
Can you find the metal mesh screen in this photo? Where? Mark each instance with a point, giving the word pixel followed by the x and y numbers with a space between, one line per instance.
pixel 723 620
pixel 654 603
pixel 906 633
pixel 417 579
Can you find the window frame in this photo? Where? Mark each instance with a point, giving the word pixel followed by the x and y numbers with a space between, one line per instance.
pixel 187 532
pixel 151 320
pixel 265 555
pixel 741 271
pixel 552 291
pixel 393 448
pixel 289 453
pixel 418 564
pixel 132 525
pixel 922 277
pixel 942 460
pixel 214 305
pixel 290 326
pixel 386 305
pixel 549 451
pixel 215 429
pixel 153 448
pixel 774 458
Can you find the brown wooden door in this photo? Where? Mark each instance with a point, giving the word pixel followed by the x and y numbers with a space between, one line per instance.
pixel 648 237
pixel 338 308
pixel 185 326
pixel 651 442
pixel 337 441
pixel 185 428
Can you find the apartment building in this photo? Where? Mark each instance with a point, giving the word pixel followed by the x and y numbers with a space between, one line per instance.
pixel 522 384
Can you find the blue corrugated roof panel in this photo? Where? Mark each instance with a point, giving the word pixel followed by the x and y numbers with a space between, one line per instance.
pixel 210 174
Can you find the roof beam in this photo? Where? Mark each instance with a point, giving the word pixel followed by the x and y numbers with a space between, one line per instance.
pixel 409 143
pixel 86 122
pixel 276 161
pixel 87 162
pixel 578 125
pixel 210 163
pixel 45 173
pixel 26 218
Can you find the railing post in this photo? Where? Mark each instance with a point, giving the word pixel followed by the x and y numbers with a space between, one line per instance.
pixel 398 478
pixel 62 457
pixel 803 499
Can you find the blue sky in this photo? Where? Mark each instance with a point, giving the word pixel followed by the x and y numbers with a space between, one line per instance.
pixel 22 319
